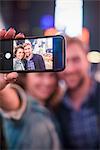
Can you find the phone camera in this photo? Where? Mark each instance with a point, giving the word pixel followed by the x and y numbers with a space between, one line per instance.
pixel 7 55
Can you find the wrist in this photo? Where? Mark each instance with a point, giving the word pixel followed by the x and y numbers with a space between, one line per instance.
pixel 16 113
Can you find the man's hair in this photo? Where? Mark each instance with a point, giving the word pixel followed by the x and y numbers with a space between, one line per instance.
pixel 25 44
pixel 75 40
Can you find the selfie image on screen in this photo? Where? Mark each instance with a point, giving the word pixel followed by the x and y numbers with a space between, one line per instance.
pixel 33 54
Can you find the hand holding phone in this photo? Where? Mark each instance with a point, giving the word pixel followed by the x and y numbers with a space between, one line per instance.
pixel 10 77
pixel 7 78
pixel 39 54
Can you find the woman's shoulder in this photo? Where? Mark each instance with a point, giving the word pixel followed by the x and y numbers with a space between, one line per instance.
pixel 36 107
pixel 15 60
pixel 42 119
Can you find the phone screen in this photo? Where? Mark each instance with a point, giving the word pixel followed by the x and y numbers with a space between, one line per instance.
pixel 33 54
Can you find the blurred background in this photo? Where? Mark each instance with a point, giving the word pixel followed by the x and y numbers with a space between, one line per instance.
pixel 46 17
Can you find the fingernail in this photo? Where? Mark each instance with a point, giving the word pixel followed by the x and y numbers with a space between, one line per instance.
pixel 3 29
pixel 11 29
pixel 21 33
pixel 5 77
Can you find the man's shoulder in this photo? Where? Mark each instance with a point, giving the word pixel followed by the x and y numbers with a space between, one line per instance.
pixel 36 56
pixel 60 108
pixel 96 87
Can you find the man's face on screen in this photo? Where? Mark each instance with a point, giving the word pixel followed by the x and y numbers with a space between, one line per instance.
pixel 28 50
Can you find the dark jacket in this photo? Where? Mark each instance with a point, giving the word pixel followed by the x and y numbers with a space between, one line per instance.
pixel 63 114
pixel 38 62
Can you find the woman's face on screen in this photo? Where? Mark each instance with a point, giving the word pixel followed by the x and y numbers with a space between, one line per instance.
pixel 20 53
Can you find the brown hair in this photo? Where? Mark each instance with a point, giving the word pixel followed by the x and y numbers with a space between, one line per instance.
pixel 16 49
pixel 25 44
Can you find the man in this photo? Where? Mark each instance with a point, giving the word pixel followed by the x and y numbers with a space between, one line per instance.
pixel 34 61
pixel 79 111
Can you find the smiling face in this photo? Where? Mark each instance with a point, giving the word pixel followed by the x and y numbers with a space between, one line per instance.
pixel 28 50
pixel 20 53
pixel 77 66
pixel 41 85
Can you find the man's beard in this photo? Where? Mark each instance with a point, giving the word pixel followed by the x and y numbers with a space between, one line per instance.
pixel 27 56
pixel 79 84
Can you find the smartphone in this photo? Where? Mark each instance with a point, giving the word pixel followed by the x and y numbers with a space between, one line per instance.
pixel 33 54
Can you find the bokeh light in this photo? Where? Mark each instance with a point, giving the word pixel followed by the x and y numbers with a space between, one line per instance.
pixel 50 32
pixel 94 57
pixel 46 22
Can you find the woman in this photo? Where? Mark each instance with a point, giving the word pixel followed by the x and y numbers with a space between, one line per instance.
pixel 27 123
pixel 18 63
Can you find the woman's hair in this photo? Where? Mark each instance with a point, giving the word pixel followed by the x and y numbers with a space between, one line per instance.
pixel 16 49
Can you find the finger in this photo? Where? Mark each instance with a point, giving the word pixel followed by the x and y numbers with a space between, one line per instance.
pixel 20 35
pixel 2 33
pixel 11 76
pixel 10 33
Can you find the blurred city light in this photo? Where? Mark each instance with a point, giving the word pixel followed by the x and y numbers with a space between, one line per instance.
pixel 1 23
pixel 85 35
pixel 50 32
pixel 68 16
pixel 46 22
pixel 94 57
